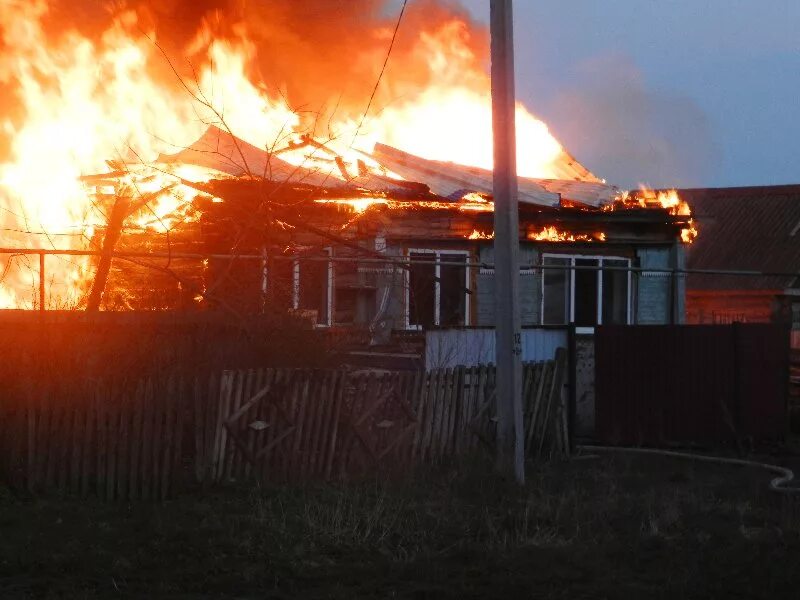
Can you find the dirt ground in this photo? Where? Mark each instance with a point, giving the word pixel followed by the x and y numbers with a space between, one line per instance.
pixel 612 527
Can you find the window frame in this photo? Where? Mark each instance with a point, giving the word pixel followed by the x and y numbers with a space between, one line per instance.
pixel 437 316
pixel 296 260
pixel 600 258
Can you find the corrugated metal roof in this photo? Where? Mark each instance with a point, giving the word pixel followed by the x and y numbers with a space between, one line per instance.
pixel 567 168
pixel 219 150
pixel 445 178
pixel 745 229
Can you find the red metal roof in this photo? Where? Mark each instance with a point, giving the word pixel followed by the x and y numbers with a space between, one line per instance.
pixel 747 228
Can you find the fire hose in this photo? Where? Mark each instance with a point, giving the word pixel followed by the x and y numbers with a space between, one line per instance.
pixel 776 485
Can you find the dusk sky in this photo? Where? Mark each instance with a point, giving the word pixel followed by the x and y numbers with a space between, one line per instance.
pixel 668 93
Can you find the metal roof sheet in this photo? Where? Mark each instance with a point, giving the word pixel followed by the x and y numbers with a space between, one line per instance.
pixel 750 228
pixel 219 150
pixel 445 178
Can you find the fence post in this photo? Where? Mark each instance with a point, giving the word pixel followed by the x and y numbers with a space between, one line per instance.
pixel 572 383
pixel 41 282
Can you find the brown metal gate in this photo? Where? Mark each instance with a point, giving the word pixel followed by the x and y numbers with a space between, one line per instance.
pixel 690 383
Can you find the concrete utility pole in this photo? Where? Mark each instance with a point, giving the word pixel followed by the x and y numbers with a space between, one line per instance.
pixel 510 452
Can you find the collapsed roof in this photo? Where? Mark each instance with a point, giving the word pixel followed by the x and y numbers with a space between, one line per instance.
pixel 387 170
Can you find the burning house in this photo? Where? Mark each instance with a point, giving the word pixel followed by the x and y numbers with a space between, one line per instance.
pixel 172 188
pixel 391 241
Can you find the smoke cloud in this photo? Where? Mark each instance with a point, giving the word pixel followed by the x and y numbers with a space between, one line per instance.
pixel 630 134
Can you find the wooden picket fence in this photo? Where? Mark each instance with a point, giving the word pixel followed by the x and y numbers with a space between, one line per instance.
pixel 147 439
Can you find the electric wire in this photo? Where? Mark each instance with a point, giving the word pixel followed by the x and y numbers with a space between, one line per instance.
pixel 380 75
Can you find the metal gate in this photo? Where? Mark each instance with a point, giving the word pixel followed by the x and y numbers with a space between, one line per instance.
pixel 691 383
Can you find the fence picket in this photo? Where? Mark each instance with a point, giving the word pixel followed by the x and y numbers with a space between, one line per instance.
pixel 415 401
pixel 89 442
pixel 169 436
pixel 269 460
pixel 112 424
pixel 250 434
pixel 65 443
pixel 180 419
pixel 301 411
pixel 434 379
pixel 136 441
pixel 101 410
pixel 322 403
pixel 42 435
pixel 337 412
pixel 126 440
pixel 456 394
pixel 123 445
pixel 78 439
pixel 158 438
pixel 228 385
pixel 147 438
pixel 30 463
pixel 232 456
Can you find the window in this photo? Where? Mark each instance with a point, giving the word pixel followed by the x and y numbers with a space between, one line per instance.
pixel 313 286
pixel 588 291
pixel 556 295
pixel 355 292
pixel 437 291
pixel 346 292
pixel 303 283
pixel 280 288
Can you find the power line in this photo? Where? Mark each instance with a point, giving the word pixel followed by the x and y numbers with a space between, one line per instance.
pixel 400 262
pixel 380 75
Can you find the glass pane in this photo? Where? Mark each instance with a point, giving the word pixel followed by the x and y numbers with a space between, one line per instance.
pixel 555 292
pixel 615 293
pixel 346 280
pixel 314 279
pixel 280 291
pixel 586 292
pixel 422 290
pixel 452 290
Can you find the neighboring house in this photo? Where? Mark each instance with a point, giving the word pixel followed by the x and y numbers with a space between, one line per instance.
pixel 357 248
pixel 754 229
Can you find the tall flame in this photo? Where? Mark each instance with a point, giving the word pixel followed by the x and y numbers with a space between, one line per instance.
pixel 109 97
pixel 85 99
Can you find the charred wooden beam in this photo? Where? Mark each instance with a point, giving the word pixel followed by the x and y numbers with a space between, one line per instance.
pixel 116 220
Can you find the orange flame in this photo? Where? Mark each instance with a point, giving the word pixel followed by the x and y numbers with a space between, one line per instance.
pixel 480 235
pixel 90 100
pixel 552 234
pixel 666 199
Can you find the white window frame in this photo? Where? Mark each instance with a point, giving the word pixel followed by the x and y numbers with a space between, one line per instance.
pixel 600 258
pixel 436 253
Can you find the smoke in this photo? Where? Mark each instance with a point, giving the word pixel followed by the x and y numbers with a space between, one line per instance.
pixel 631 134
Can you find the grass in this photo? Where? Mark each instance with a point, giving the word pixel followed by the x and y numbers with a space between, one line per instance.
pixel 620 527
